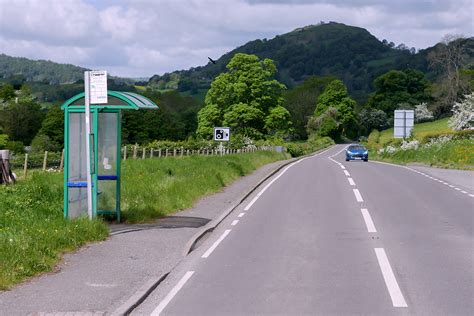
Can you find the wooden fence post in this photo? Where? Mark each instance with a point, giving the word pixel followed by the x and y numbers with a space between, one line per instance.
pixel 124 152
pixel 45 160
pixel 135 151
pixel 143 153
pixel 182 151
pixel 166 152
pixel 174 152
pixel 61 165
pixel 159 152
pixel 151 152
pixel 25 166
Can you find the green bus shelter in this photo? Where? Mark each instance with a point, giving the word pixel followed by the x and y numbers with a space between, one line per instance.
pixel 105 142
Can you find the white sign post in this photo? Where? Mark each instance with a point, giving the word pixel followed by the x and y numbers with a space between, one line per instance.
pixel 221 134
pixel 95 92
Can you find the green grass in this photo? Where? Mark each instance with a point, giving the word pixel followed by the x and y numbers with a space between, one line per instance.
pixel 455 154
pixel 34 234
pixel 162 186
pixel 419 131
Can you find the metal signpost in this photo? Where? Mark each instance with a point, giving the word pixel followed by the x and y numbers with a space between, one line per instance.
pixel 221 134
pixel 403 123
pixel 95 92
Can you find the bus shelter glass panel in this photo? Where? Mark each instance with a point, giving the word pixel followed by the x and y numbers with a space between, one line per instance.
pixel 77 171
pixel 107 161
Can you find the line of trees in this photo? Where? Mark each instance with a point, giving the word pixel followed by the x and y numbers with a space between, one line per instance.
pixel 249 99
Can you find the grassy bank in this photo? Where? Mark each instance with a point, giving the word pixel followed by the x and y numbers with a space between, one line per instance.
pixel 178 183
pixel 34 234
pixel 432 143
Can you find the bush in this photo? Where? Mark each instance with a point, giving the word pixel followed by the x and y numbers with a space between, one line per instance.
pixel 313 144
pixel 15 147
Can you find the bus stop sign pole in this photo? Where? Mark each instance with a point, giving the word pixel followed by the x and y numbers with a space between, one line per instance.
pixel 95 92
pixel 87 89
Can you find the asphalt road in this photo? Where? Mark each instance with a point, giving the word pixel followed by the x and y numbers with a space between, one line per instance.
pixel 330 237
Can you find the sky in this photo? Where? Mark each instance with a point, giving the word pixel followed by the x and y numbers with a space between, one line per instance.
pixel 140 38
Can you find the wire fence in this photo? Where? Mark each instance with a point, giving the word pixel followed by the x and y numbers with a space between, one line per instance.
pixel 54 161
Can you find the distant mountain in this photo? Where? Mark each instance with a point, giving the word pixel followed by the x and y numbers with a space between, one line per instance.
pixel 346 52
pixel 39 70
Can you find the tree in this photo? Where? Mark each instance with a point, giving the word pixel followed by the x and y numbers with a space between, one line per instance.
pixel 341 119
pixel 53 125
pixel 463 114
pixel 396 87
pixel 278 122
pixel 208 117
pixel 242 97
pixel 300 102
pixel 21 120
pixel 448 59
pixel 244 119
pixel 371 119
pixel 7 92
pixel 422 114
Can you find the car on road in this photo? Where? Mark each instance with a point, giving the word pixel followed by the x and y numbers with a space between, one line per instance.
pixel 357 152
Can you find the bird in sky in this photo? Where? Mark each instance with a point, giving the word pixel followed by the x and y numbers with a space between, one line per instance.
pixel 211 60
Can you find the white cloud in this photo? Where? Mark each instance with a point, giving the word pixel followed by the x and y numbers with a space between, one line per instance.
pixel 144 37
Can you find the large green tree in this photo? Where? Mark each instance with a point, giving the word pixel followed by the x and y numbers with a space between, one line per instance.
pixel 300 102
pixel 242 97
pixel 21 118
pixel 334 114
pixel 397 87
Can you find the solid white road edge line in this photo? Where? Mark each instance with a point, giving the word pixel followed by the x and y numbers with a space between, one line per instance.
pixel 357 195
pixel 351 181
pixel 390 281
pixel 277 177
pixel 216 243
pixel 172 294
pixel 234 222
pixel 368 220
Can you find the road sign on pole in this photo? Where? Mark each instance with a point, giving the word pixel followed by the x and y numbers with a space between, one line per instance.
pixel 95 92
pixel 222 134
pixel 403 123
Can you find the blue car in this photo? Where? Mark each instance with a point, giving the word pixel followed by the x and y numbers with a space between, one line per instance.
pixel 357 152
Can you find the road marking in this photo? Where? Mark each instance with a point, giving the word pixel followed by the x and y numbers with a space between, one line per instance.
pixel 393 289
pixel 234 222
pixel 368 220
pixel 216 243
pixel 172 294
pixel 471 195
pixel 464 192
pixel 451 186
pixel 342 167
pixel 357 195
pixel 457 189
pixel 351 181
pixel 347 173
pixel 241 214
pixel 277 177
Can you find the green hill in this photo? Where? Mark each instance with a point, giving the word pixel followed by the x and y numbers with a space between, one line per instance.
pixel 347 52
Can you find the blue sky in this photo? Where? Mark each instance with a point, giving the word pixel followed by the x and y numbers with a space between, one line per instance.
pixel 139 38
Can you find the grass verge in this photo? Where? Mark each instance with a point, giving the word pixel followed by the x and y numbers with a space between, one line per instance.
pixel 34 234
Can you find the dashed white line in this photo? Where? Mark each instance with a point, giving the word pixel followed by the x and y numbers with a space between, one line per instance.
pixel 471 195
pixel 241 214
pixel 172 294
pixel 342 167
pixel 464 192
pixel 351 181
pixel 390 281
pixel 347 173
pixel 216 243
pixel 451 186
pixel 368 220
pixel 234 222
pixel 457 189
pixel 357 195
